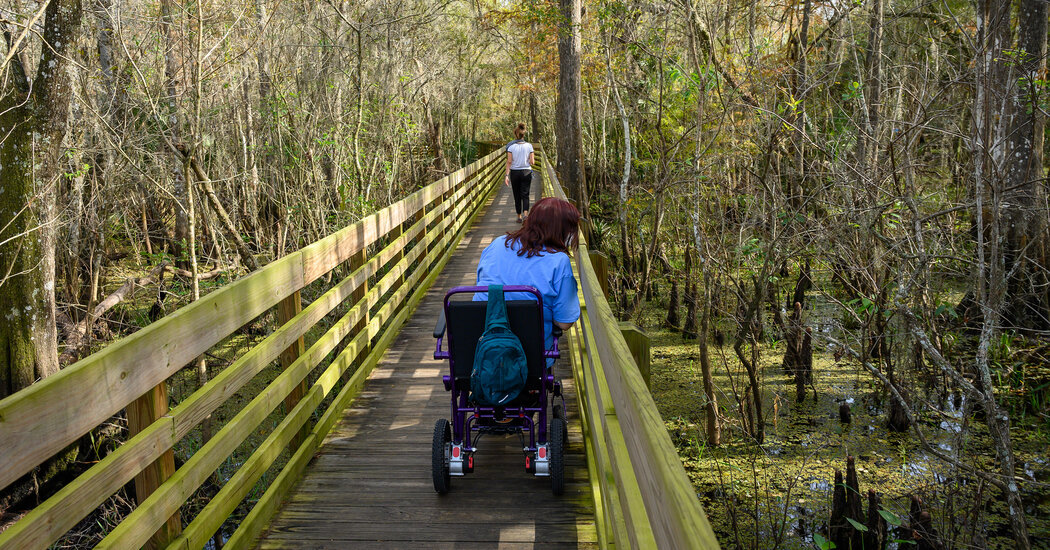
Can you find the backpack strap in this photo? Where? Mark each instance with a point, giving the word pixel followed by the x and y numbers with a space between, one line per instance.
pixel 496 310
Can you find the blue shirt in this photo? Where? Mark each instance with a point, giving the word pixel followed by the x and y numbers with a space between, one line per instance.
pixel 549 272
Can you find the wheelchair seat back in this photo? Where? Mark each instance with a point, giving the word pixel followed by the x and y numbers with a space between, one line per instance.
pixel 466 322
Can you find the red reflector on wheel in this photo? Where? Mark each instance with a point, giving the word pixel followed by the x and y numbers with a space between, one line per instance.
pixel 543 452
pixel 455 452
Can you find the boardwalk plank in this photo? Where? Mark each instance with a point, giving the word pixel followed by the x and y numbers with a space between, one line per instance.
pixel 430 545
pixel 369 486
pixel 543 531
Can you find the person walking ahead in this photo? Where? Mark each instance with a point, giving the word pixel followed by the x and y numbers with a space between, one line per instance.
pixel 520 158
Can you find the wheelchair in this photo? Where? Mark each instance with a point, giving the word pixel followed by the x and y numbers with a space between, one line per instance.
pixel 455 442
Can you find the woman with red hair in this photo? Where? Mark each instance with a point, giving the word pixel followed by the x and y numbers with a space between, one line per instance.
pixel 537 255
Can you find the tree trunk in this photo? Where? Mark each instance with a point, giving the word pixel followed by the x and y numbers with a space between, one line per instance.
pixel 622 206
pixel 798 115
pixel 224 218
pixel 868 141
pixel 170 103
pixel 20 274
pixel 433 138
pixel 534 114
pixel 993 117
pixel 262 61
pixel 749 330
pixel 691 300
pixel 359 173
pixel 568 128
pixel 673 303
pixel 711 406
pixel 646 262
pixel 758 423
pixel 1027 256
pixel 33 119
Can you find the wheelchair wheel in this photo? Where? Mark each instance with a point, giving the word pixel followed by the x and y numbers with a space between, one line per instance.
pixel 559 412
pixel 557 450
pixel 440 456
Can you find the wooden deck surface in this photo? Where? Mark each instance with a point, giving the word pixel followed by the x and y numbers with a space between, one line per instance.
pixel 370 485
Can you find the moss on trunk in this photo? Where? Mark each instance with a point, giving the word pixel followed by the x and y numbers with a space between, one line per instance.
pixel 20 281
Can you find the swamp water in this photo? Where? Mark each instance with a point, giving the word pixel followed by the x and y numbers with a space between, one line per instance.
pixel 778 494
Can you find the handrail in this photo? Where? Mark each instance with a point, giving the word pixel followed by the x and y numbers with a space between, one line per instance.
pixel 643 496
pixel 417 236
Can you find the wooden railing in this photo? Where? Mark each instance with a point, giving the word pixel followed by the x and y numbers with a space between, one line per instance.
pixel 643 497
pixel 410 242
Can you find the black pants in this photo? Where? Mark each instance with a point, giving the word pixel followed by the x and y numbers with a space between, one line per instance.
pixel 520 185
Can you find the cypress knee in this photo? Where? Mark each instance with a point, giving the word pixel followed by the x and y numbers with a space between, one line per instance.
pixel 854 508
pixel 875 537
pixel 845 414
pixel 898 418
pixel 838 527
pixel 672 306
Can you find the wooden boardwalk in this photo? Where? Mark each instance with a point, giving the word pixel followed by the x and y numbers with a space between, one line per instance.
pixel 370 487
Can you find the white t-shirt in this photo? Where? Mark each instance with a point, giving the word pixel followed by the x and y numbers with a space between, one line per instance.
pixel 520 151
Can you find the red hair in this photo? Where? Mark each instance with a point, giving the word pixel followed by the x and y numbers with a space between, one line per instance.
pixel 553 225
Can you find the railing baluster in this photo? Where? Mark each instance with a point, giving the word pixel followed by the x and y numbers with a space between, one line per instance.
pixel 601 268
pixel 286 310
pixel 392 236
pixel 638 341
pixel 356 261
pixel 142 412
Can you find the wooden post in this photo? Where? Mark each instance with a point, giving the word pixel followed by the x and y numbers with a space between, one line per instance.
pixel 356 261
pixel 423 232
pixel 638 341
pixel 585 224
pixel 443 203
pixel 600 263
pixel 141 413
pixel 286 310
pixel 392 236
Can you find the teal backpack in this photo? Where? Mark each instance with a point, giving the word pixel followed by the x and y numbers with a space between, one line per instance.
pixel 500 367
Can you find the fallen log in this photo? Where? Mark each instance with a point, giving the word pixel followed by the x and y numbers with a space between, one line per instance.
pixel 224 217
pixel 187 274
pixel 76 339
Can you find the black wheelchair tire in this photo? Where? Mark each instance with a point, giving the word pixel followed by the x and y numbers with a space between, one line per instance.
pixel 559 412
pixel 439 463
pixel 557 452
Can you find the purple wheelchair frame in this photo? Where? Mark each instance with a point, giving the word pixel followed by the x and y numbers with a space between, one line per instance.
pixel 467 419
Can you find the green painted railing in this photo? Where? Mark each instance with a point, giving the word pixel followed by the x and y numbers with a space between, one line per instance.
pixel 410 242
pixel 643 497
